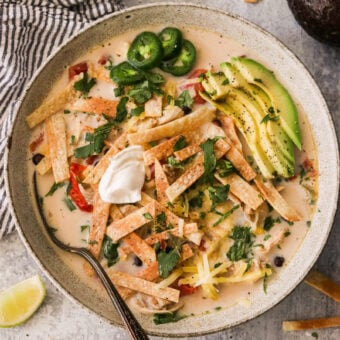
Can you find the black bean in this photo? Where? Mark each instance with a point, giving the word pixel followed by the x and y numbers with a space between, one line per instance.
pixel 278 261
pixel 186 109
pixel 37 158
pixel 137 261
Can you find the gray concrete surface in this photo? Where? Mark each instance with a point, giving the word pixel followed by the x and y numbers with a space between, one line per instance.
pixel 59 319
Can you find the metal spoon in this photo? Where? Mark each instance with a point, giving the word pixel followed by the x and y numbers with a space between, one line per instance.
pixel 134 328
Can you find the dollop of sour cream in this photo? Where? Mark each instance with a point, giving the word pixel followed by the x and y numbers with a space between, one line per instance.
pixel 123 180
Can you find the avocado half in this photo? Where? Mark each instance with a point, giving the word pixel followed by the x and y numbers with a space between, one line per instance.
pixel 319 18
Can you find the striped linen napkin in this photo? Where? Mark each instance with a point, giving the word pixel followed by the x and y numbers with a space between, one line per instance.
pixel 30 31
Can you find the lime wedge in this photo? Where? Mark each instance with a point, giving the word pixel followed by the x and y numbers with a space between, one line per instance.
pixel 18 303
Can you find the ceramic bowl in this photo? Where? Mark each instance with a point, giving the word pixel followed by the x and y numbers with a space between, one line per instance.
pixel 279 58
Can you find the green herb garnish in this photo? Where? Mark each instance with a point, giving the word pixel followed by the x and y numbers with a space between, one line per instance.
pixel 84 227
pixel 269 223
pixel 209 160
pixel 148 216
pixel 160 319
pixel 225 215
pixel 54 188
pixel 243 243
pixel 70 205
pixel 268 117
pixel 218 194
pixel 167 261
pixel 180 144
pixel 196 201
pixel 224 168
pixel 121 110
pixel 184 99
pixel 85 84
pixel 137 111
pixel 118 91
pixel 174 163
pixel 110 251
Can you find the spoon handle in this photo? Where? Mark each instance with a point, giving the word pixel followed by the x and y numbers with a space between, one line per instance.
pixel 131 323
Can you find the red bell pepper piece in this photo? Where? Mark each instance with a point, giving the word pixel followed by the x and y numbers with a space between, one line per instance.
pixel 77 69
pixel 75 171
pixel 187 289
pixel 197 86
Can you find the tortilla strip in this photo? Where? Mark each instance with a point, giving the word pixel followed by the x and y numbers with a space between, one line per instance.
pixel 228 127
pixel 52 105
pixel 143 286
pixel 118 229
pixel 96 173
pixel 115 213
pixel 151 272
pixel 324 284
pixel 311 324
pixel 270 193
pixel 96 105
pixel 161 183
pixel 187 152
pixel 100 216
pixel 240 164
pixel 173 128
pixel 56 137
pixel 44 166
pixel 160 151
pixel 164 235
pixel 242 190
pixel 140 248
pixel 192 174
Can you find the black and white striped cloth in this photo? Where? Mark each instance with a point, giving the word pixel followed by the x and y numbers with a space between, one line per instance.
pixel 30 31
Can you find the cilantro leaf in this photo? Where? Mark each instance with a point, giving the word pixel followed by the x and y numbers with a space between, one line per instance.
pixel 110 251
pixel 54 188
pixel 85 84
pixel 226 215
pixel 167 261
pixel 137 111
pixel 70 205
pixel 160 319
pixel 268 117
pixel 224 167
pixel 121 110
pixel 209 160
pixel 197 201
pixel 84 151
pixel 180 144
pixel 269 223
pixel 148 216
pixel 243 243
pixel 184 99
pixel 217 195
pixel 174 163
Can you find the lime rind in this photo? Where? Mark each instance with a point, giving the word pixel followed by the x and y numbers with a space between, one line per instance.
pixel 19 302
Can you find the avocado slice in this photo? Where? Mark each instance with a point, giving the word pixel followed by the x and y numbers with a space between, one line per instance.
pixel 247 126
pixel 282 103
pixel 274 129
pixel 249 106
pixel 216 84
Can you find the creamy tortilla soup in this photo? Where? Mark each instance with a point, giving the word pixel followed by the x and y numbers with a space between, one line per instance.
pixel 180 160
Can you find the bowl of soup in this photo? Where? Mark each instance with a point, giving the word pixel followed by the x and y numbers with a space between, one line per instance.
pixel 187 158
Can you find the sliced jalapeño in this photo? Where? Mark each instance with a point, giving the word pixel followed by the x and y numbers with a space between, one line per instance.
pixel 126 74
pixel 171 39
pixel 182 64
pixel 146 51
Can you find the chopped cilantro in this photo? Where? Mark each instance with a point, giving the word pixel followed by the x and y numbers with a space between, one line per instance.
pixel 69 204
pixel 218 194
pixel 267 237
pixel 137 111
pixel 265 283
pixel 269 222
pixel 209 160
pixel 196 201
pixel 67 112
pixel 121 110
pixel 286 234
pixel 118 91
pixel 184 99
pixel 226 215
pixel 110 251
pixel 315 335
pixel 85 84
pixel 309 223
pixel 84 151
pixel 174 163
pixel 268 117
pixel 148 216
pixel 224 168
pixel 243 243
pixel 54 188
pixel 73 140
pixel 160 319
pixel 180 144
pixel 84 227
pixel 93 242
pixel 167 261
